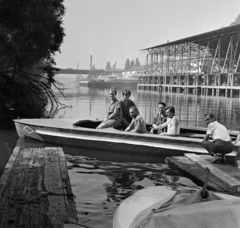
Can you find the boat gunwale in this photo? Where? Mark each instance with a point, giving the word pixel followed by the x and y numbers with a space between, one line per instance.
pixel 127 135
pixel 122 134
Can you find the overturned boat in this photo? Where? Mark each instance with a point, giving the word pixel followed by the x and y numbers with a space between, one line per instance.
pixel 160 206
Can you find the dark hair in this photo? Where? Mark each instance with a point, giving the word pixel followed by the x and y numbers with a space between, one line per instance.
pixel 134 108
pixel 126 92
pixel 162 103
pixel 113 89
pixel 171 109
pixel 210 115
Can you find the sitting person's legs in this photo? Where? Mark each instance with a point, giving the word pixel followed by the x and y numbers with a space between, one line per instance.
pixel 218 147
pixel 108 123
pixel 124 123
pixel 223 147
pixel 209 146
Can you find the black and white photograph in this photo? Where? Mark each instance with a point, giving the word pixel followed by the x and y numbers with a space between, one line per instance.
pixel 120 114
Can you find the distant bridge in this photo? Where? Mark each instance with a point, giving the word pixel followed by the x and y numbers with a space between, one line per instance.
pixel 90 72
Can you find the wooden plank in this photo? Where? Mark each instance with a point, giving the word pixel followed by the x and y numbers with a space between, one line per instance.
pixel 69 200
pixel 55 184
pixel 29 173
pixel 224 177
pixel 24 189
pixel 197 174
pixel 48 185
pixel 8 169
pixel 11 178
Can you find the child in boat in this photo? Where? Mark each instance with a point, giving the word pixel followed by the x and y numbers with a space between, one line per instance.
pixel 114 116
pixel 125 104
pixel 172 123
pixel 159 118
pixel 137 124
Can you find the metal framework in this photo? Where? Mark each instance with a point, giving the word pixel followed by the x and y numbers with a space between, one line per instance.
pixel 213 52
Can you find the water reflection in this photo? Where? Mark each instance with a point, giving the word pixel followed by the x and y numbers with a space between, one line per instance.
pixel 93 102
pixel 101 180
pixel 100 186
pixel 191 108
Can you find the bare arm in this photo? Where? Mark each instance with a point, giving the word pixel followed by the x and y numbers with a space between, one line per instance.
pixel 129 127
pixel 113 114
pixel 175 124
pixel 206 137
pixel 160 127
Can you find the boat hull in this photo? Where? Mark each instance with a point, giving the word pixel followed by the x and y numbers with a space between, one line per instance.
pixel 63 132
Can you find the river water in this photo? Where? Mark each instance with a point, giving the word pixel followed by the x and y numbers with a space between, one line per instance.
pixel 101 180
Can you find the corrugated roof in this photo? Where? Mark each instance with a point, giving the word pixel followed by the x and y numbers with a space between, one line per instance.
pixel 202 39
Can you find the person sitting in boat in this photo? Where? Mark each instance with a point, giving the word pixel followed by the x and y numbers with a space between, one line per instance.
pixel 159 118
pixel 172 123
pixel 114 116
pixel 126 103
pixel 222 143
pixel 137 124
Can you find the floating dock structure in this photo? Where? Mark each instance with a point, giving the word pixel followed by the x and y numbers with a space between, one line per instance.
pixel 35 190
pixel 223 177
pixel 205 64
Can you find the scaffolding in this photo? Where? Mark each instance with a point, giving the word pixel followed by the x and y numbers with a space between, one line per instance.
pixel 207 60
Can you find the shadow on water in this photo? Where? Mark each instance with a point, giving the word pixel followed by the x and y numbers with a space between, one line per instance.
pixel 93 153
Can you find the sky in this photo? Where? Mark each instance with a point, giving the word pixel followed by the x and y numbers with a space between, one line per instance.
pixel 114 30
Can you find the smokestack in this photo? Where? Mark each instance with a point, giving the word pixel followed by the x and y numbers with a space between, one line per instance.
pixel 90 61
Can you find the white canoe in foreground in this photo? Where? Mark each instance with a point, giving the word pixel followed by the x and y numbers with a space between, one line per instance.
pixel 155 207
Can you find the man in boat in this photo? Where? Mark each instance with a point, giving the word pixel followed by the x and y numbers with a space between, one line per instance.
pixel 159 118
pixel 125 104
pixel 114 116
pixel 137 124
pixel 222 143
pixel 172 123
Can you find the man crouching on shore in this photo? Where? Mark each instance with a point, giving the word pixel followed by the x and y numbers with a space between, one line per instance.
pixel 222 143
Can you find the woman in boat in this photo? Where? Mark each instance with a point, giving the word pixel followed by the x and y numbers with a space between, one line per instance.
pixel 172 123
pixel 114 116
pixel 159 118
pixel 126 103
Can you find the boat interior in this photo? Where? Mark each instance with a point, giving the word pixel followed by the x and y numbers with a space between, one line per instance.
pixel 192 132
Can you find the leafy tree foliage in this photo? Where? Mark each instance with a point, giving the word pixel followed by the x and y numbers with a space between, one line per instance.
pixel 93 67
pixel 127 64
pixel 30 31
pixel 237 20
pixel 108 66
pixel 137 63
pixel 132 63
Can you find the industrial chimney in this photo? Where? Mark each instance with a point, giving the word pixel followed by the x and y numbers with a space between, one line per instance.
pixel 90 62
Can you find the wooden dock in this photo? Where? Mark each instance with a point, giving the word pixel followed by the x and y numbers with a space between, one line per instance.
pixel 35 190
pixel 224 177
